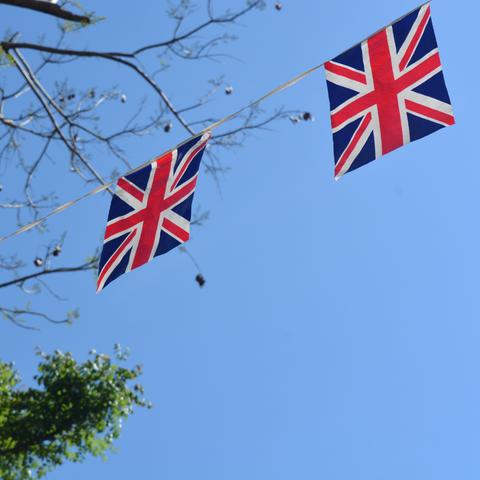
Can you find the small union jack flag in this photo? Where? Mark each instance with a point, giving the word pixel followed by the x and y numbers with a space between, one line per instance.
pixel 386 92
pixel 150 211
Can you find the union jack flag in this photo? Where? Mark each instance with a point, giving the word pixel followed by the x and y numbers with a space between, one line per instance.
pixel 150 211
pixel 386 92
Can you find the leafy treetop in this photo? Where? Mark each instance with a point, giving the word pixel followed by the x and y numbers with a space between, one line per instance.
pixel 78 411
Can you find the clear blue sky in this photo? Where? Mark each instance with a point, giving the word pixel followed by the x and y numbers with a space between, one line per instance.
pixel 337 334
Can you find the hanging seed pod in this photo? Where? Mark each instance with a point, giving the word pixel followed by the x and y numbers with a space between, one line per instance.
pixel 56 251
pixel 124 98
pixel 38 262
pixel 71 96
pixel 307 116
pixel 201 281
pixel 229 90
pixel 278 6
pixel 1 187
pixel 167 128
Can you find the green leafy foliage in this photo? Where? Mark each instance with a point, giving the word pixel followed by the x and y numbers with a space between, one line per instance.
pixel 6 60
pixel 69 26
pixel 77 411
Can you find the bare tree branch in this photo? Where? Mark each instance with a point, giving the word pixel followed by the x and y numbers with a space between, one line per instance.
pixel 29 78
pixel 10 314
pixel 48 8
pixel 225 19
pixel 81 268
pixel 109 56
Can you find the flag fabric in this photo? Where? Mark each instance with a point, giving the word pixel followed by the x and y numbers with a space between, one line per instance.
pixel 151 210
pixel 386 92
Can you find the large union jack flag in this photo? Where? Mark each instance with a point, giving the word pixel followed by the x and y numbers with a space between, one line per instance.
pixel 150 211
pixel 386 92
